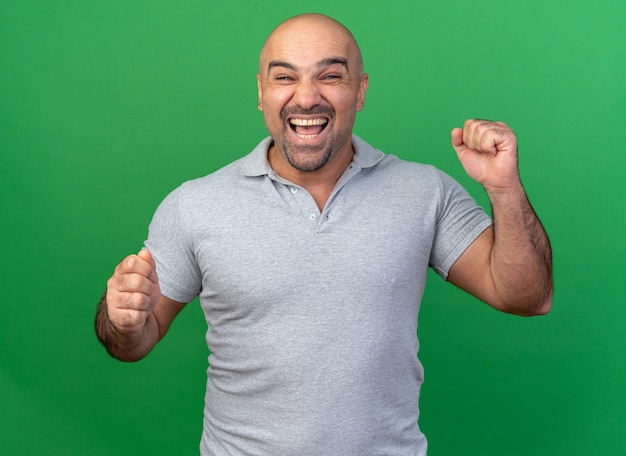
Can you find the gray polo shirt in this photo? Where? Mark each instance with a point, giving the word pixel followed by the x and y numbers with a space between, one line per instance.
pixel 312 316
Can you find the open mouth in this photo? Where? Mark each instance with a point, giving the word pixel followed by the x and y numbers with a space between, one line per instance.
pixel 308 128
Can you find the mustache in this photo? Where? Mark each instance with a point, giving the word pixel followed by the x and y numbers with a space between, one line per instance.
pixel 315 110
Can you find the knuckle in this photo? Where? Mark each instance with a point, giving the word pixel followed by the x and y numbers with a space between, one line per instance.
pixel 111 283
pixel 129 318
pixel 112 299
pixel 131 301
pixel 142 301
pixel 130 282
pixel 135 317
pixel 130 262
pixel 120 302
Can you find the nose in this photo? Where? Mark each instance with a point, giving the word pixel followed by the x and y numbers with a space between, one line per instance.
pixel 307 94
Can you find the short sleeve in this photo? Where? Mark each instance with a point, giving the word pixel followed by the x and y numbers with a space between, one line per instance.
pixel 177 269
pixel 459 222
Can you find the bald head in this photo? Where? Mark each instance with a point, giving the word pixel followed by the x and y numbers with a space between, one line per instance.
pixel 311 85
pixel 304 30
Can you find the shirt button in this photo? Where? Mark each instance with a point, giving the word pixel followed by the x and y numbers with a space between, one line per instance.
pixel 294 190
pixel 312 216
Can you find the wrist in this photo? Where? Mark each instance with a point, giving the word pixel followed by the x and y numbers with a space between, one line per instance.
pixel 513 191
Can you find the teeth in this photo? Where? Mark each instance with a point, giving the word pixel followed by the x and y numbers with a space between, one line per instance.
pixel 308 122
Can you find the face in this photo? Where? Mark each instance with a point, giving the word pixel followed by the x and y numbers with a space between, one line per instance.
pixel 310 87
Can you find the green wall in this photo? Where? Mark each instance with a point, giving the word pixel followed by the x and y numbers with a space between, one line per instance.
pixel 105 106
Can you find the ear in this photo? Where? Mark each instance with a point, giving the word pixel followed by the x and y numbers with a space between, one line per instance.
pixel 360 102
pixel 260 92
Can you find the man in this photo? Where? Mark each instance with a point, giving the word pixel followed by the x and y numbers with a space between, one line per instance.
pixel 310 258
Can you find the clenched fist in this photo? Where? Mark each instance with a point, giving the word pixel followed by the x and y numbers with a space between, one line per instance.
pixel 488 152
pixel 132 292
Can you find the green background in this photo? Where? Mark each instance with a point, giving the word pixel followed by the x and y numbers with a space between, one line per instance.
pixel 105 106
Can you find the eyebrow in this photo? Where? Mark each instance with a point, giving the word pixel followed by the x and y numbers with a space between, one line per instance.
pixel 321 64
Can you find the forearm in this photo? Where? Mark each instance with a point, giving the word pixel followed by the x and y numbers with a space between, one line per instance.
pixel 521 258
pixel 125 346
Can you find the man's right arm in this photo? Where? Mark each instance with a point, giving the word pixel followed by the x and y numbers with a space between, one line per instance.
pixel 132 315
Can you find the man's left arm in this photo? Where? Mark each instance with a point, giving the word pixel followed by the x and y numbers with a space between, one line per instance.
pixel 509 266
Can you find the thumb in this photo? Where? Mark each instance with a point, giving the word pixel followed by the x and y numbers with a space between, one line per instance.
pixel 457 142
pixel 457 137
pixel 145 255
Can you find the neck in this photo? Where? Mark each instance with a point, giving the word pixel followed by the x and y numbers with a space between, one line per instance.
pixel 319 183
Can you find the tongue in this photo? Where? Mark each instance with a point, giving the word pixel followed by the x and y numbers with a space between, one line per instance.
pixel 311 130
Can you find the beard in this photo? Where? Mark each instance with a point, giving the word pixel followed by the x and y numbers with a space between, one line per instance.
pixel 303 157
pixel 307 158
